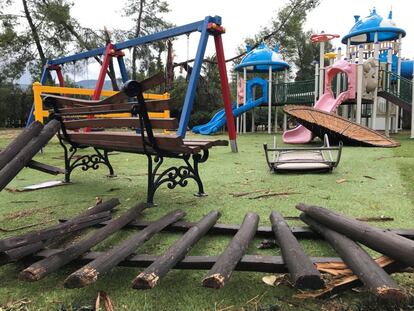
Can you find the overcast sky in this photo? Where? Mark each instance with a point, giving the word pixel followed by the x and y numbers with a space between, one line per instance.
pixel 244 18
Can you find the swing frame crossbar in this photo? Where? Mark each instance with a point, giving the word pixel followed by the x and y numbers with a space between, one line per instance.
pixel 209 26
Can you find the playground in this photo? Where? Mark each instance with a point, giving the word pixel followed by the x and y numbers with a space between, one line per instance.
pixel 309 209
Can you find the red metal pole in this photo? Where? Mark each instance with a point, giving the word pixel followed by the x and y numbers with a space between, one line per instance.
pixel 225 91
pixel 102 73
pixel 60 76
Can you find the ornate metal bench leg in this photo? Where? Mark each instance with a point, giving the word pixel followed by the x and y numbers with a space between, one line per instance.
pixel 173 175
pixel 152 184
pixel 85 162
pixel 67 159
pixel 198 158
pixel 105 160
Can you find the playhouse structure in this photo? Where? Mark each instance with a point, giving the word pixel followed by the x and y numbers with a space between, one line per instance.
pixel 367 79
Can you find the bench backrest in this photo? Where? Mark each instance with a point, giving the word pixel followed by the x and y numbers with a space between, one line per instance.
pixel 76 114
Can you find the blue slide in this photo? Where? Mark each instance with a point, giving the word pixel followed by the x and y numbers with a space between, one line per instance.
pixel 219 119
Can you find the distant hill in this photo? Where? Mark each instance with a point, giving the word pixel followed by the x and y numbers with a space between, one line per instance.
pixel 86 84
pixel 90 84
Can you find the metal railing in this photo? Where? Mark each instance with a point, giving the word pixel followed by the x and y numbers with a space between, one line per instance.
pixel 299 92
pixel 388 82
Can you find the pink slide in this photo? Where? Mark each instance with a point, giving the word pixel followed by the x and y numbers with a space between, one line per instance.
pixel 300 134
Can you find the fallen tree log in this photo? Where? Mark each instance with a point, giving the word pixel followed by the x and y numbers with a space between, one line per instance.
pixel 8 153
pixel 375 279
pixel 227 261
pixel 385 242
pixel 20 160
pixel 89 273
pixel 56 230
pixel 303 274
pixel 151 275
pixel 42 268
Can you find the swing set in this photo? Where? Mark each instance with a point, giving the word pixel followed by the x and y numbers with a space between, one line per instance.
pixel 210 26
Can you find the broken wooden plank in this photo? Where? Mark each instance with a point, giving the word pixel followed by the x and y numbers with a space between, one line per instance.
pixel 303 273
pixel 227 261
pixel 19 161
pixel 151 275
pixel 56 230
pixel 375 279
pixel 42 268
pixel 8 153
pixel 385 242
pixel 45 168
pixel 23 251
pixel 89 274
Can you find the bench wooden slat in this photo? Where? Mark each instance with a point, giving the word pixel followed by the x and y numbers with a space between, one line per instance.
pixel 130 141
pixel 156 123
pixel 204 143
pixel 152 106
pixel 64 101
pixel 99 109
pixel 157 105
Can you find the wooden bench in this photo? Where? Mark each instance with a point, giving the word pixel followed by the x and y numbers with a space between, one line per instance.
pixel 154 137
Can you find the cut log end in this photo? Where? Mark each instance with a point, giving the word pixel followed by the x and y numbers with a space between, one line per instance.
pixel 214 281
pixel 145 281
pixel 310 282
pixel 391 294
pixel 81 278
pixel 31 275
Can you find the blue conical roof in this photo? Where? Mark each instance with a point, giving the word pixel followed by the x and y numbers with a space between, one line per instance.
pixel 364 29
pixel 259 60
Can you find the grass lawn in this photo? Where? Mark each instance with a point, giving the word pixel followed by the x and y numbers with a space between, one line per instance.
pixel 378 182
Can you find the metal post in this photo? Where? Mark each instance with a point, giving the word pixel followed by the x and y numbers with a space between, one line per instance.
pixel 243 118
pixel 321 68
pixel 360 73
pixel 397 111
pixel 225 91
pixel 316 83
pixel 194 77
pixel 237 101
pixel 254 96
pixel 269 102
pixel 348 46
pixel 122 69
pixel 387 103
pixel 284 115
pixel 412 106
pixel 375 96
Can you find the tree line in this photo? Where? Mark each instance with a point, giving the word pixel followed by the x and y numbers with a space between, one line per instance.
pixel 38 30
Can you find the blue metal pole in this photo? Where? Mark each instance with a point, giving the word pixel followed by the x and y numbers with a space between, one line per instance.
pixel 192 84
pixel 122 69
pixel 30 118
pixel 173 32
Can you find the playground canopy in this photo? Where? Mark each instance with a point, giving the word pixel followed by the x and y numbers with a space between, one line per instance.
pixel 365 29
pixel 259 60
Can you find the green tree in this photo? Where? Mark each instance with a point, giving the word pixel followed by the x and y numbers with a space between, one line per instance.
pixel 148 18
pixel 287 31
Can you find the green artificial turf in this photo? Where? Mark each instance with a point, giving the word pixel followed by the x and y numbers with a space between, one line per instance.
pixel 378 182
